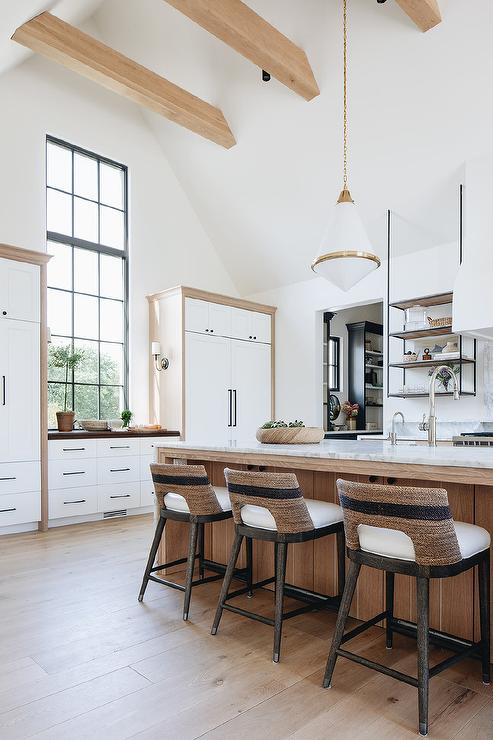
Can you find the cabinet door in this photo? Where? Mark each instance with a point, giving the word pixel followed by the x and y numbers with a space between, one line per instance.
pixel 19 290
pixel 19 391
pixel 260 326
pixel 241 323
pixel 220 319
pixel 196 315
pixel 251 382
pixel 207 387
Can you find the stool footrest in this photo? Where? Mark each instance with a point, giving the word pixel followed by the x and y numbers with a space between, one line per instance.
pixel 404 677
pixel 164 582
pixel 250 615
pixel 469 651
pixel 436 637
pixel 362 627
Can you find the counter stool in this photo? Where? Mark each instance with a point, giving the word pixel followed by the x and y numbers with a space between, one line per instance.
pixel 184 494
pixel 270 506
pixel 411 531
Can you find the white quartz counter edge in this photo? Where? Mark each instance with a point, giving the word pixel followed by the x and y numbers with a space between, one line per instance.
pixel 375 451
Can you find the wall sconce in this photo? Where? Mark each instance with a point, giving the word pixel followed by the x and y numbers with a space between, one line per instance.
pixel 161 363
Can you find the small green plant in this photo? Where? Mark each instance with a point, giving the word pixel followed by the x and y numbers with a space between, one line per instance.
pixel 282 424
pixel 67 359
pixel 126 417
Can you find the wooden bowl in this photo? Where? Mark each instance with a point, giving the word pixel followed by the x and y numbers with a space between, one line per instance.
pixel 290 436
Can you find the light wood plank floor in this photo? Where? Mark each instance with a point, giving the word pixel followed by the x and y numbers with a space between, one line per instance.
pixel 81 658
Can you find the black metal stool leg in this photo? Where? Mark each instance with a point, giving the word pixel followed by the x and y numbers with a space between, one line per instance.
pixel 249 565
pixel 389 607
pixel 347 597
pixel 341 562
pixel 282 554
pixel 422 603
pixel 201 550
pixel 228 577
pixel 484 616
pixel 152 555
pixel 192 548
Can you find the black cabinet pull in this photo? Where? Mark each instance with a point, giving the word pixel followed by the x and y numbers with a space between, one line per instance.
pixel 79 501
pixel 121 495
pixel 212 331
pixel 235 408
pixel 120 447
pixel 11 478
pixel 372 479
pixel 2 511
pixel 4 313
pixel 391 481
pixel 4 390
pixel 76 472
pixel 119 470
pixel 230 408
pixel 207 329
pixel 73 449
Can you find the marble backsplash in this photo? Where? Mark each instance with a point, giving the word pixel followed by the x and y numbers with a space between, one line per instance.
pixel 445 429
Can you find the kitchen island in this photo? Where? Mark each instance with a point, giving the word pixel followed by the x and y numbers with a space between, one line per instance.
pixel 466 473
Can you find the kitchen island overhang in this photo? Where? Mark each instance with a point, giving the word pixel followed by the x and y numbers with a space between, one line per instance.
pixel 466 474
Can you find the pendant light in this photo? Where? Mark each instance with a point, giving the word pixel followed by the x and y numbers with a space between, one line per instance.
pixel 346 256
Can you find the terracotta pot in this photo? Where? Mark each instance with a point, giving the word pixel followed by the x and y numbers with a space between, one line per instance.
pixel 65 420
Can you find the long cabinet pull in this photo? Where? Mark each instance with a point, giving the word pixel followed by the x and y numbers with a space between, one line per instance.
pixel 11 478
pixel 235 408
pixel 230 408
pixel 79 501
pixel 4 390
pixel 121 495
pixel 2 511
pixel 73 449
pixel 119 470
pixel 120 447
pixel 76 472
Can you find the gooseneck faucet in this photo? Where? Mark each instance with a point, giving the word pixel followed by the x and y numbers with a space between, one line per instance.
pixel 430 425
pixel 393 433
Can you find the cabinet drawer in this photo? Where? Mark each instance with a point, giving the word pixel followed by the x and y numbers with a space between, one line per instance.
pixel 145 471
pixel 119 470
pixel 71 449
pixel 118 447
pixel 122 496
pixel 71 473
pixel 19 477
pixel 20 508
pixel 73 502
pixel 148 446
pixel 147 497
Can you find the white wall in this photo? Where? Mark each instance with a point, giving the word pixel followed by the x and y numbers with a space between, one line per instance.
pixel 168 245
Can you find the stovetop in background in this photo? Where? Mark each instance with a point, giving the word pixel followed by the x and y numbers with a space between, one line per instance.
pixel 474 439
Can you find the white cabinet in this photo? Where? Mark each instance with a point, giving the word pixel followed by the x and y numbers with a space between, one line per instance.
pixel 208 394
pixel 251 380
pixel 19 290
pixel 251 326
pixel 228 388
pixel 19 508
pixel 207 318
pixel 19 391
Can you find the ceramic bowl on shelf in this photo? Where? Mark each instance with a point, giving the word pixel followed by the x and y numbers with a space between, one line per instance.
pixel 290 435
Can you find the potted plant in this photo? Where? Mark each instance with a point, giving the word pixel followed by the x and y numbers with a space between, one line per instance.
pixel 68 360
pixel 350 410
pixel 126 418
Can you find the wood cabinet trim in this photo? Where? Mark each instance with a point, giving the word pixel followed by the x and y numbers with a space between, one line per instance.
pixel 205 295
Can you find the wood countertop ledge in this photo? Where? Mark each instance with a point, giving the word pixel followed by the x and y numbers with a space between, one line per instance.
pixel 81 434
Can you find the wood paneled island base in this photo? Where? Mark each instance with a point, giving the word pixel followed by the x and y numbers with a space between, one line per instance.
pixel 453 601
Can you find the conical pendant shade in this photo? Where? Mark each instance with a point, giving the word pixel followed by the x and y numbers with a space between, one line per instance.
pixel 346 256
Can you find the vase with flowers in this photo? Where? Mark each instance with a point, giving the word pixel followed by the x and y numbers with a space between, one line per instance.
pixel 350 410
pixel 444 379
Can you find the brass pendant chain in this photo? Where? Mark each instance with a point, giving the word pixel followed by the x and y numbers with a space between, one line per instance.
pixel 345 179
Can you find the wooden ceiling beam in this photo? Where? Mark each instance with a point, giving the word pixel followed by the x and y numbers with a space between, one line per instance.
pixel 251 36
pixel 424 13
pixel 62 43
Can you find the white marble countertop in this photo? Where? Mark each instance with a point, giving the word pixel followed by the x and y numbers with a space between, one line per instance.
pixel 374 451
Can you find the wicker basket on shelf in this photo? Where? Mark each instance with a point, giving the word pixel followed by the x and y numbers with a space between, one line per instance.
pixel 437 323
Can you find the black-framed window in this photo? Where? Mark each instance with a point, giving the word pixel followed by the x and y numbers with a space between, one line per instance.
pixel 87 233
pixel 334 363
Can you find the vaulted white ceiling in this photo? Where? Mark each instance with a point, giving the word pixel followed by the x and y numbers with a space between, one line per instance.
pixel 419 105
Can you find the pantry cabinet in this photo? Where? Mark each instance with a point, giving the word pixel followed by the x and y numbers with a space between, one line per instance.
pixel 219 384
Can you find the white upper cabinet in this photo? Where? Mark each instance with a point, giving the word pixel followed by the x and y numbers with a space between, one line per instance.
pixel 204 317
pixel 19 391
pixel 19 290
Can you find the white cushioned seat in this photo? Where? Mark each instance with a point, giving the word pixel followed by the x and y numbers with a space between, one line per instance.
pixel 321 512
pixel 175 502
pixel 394 544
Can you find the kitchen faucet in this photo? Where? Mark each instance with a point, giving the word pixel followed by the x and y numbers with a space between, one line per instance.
pixel 393 433
pixel 430 425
